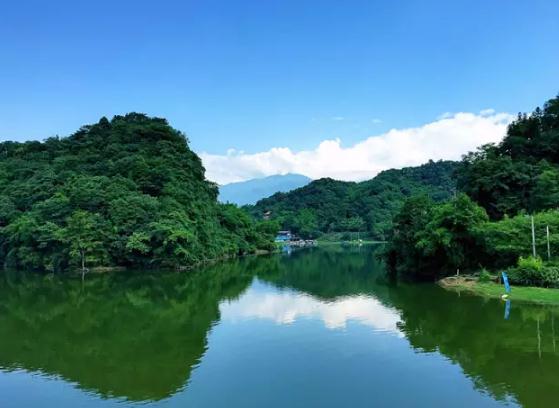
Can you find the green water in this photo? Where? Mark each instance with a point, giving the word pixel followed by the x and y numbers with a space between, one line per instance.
pixel 316 328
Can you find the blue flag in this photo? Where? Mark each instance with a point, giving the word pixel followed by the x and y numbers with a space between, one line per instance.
pixel 506 281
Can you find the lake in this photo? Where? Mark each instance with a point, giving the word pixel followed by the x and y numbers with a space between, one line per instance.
pixel 317 327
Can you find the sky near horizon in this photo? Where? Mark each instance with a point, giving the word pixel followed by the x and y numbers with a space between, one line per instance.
pixel 322 88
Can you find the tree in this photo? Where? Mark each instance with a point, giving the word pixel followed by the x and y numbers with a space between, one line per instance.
pixel 327 205
pixel 134 178
pixel 545 193
pixel 520 173
pixel 403 256
pixel 432 240
pixel 306 223
pixel 451 235
pixel 84 236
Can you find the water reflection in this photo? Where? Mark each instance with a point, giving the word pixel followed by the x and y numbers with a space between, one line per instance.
pixel 143 337
pixel 286 306
pixel 136 336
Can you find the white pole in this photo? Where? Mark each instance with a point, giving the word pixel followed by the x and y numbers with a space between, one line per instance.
pixel 533 238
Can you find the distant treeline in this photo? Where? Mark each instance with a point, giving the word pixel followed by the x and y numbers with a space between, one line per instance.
pixel 487 224
pixel 327 205
pixel 124 192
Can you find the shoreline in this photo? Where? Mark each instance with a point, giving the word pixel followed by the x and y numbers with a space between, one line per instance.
pixel 526 294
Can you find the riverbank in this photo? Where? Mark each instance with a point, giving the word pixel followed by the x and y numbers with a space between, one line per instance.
pixel 100 270
pixel 362 242
pixel 494 290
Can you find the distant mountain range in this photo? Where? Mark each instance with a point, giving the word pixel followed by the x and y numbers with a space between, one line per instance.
pixel 250 191
pixel 331 206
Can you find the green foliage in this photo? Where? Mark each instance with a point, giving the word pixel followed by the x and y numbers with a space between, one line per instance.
pixel 329 206
pixel 520 175
pixel 532 271
pixel 403 256
pixel 123 192
pixel 485 276
pixel 433 240
pixel 450 235
pixel 505 240
pixel 521 172
pixel 84 236
pixel 535 264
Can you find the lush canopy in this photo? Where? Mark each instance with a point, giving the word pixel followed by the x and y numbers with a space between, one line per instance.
pixel 505 182
pixel 521 172
pixel 328 205
pixel 123 192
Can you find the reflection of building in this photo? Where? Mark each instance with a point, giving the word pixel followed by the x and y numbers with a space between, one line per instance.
pixel 283 236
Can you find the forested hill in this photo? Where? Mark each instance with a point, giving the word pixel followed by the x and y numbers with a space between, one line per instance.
pixel 485 225
pixel 521 172
pixel 328 205
pixel 123 192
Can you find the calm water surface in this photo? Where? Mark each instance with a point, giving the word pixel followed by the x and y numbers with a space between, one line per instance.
pixel 315 328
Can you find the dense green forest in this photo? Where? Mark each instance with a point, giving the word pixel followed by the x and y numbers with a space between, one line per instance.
pixel 327 205
pixel 126 192
pixel 488 223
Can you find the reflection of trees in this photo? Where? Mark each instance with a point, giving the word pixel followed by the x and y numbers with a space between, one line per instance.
pixel 518 357
pixel 327 272
pixel 133 336
pixel 515 357
pixel 138 336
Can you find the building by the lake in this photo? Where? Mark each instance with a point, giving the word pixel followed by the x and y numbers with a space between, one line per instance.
pixel 284 236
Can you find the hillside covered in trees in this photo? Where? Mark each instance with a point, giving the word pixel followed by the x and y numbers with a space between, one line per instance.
pixel 328 205
pixel 124 192
pixel 488 223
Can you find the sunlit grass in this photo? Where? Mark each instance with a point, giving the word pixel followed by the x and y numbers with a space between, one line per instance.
pixel 518 293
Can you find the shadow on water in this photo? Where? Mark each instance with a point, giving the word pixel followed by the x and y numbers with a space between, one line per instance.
pixel 139 335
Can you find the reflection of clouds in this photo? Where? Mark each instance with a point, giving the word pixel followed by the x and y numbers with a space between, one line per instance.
pixel 285 307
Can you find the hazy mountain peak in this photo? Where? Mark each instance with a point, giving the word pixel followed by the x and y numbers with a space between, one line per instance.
pixel 250 191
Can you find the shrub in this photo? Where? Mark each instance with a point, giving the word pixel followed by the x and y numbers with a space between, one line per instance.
pixel 485 276
pixel 530 263
pixel 532 271
pixel 550 276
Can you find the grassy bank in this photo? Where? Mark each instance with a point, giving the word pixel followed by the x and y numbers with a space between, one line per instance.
pixel 495 290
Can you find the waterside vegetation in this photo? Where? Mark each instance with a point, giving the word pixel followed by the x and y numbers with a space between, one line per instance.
pixel 530 294
pixel 124 192
pixel 325 208
pixel 504 215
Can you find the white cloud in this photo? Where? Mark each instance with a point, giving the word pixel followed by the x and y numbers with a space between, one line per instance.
pixel 487 112
pixel 449 137
pixel 337 118
pixel 376 120
pixel 445 115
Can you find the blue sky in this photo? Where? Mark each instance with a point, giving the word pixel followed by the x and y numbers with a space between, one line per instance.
pixel 253 75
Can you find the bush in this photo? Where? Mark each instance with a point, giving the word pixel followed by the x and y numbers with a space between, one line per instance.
pixel 530 263
pixel 532 271
pixel 550 276
pixel 485 276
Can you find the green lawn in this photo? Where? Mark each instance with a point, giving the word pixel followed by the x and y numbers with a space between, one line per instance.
pixel 518 293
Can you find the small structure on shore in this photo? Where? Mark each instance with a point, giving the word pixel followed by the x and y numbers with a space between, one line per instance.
pixel 284 236
pixel 287 238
